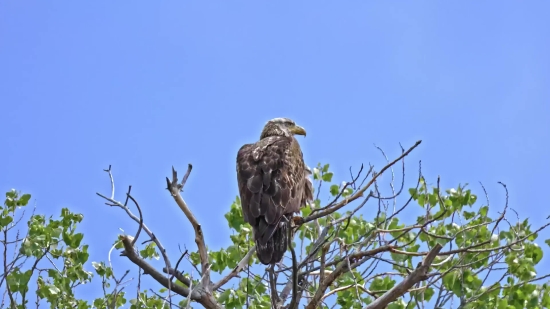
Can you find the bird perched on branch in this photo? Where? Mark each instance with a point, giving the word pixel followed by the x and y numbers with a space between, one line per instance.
pixel 273 184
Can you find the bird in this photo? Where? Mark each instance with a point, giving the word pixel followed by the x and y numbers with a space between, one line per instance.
pixel 274 184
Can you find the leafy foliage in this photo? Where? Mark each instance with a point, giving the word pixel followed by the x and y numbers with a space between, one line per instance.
pixel 485 262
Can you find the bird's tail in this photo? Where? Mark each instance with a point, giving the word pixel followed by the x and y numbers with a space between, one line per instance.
pixel 273 250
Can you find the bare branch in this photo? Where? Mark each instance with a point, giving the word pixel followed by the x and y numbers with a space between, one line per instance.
pixel 144 227
pixel 202 297
pixel 175 190
pixel 112 181
pixel 294 301
pixel 140 216
pixel 176 273
pixel 359 193
pixel 275 301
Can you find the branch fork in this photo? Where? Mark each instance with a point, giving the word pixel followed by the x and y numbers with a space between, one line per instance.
pixel 202 293
pixel 175 188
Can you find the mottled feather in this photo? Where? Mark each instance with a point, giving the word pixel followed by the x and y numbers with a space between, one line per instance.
pixel 273 184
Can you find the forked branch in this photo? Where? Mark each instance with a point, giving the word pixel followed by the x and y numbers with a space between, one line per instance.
pixel 175 188
pixel 199 295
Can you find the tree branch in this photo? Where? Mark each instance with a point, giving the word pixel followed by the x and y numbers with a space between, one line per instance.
pixel 328 210
pixel 175 188
pixel 342 267
pixel 199 295
pixel 418 275
pixel 294 300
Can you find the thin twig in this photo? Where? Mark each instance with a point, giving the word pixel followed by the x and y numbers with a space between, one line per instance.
pixel 359 193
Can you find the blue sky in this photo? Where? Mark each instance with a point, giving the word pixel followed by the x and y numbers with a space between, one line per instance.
pixel 148 85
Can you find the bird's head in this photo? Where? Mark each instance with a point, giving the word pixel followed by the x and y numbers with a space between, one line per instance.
pixel 282 127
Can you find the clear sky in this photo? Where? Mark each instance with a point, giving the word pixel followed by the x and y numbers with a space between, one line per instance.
pixel 147 85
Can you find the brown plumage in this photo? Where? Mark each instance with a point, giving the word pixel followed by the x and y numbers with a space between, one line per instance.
pixel 273 184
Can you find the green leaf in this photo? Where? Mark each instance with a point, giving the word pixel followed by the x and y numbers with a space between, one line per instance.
pixel 18 281
pixel 306 211
pixel 327 177
pixel 422 200
pixel 469 215
pixel 225 295
pixel 24 200
pixel 316 174
pixel 347 192
pixel 414 193
pixel 54 290
pixel 483 211
pixel 76 239
pixel 5 221
pixel 149 251
pixel 334 190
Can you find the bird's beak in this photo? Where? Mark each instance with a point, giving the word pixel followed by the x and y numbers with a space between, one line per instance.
pixel 297 130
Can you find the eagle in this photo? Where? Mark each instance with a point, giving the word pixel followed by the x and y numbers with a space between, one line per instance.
pixel 273 184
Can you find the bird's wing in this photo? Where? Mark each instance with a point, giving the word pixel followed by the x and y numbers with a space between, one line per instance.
pixel 270 183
